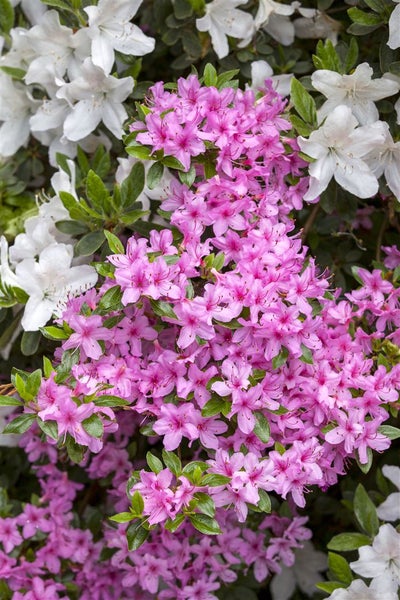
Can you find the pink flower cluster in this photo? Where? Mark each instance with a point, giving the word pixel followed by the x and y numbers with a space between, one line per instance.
pixel 225 343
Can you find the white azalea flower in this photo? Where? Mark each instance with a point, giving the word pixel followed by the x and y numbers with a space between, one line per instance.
pixel 385 159
pixel 33 9
pixel 273 17
pixel 338 147
pixel 110 29
pixel 394 27
pixel 319 26
pixel 358 590
pixel 97 97
pixel 267 8
pixel 305 573
pixel 21 53
pixel 381 561
pixel 389 510
pixel 261 70
pixel 222 18
pixel 358 91
pixel 53 44
pixel 16 107
pixel 49 282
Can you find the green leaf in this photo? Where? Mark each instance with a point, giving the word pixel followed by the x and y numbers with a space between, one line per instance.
pixel 93 426
pixel 188 178
pixel 225 77
pixel 264 503
pixel 362 18
pixel 10 401
pixel 114 242
pixel 132 216
pixel 172 163
pixel 393 433
pixel 162 309
pixel 133 185
pixel 214 406
pixel 280 359
pixel 175 524
pixel 96 191
pixel 205 524
pixel 89 243
pixel 173 463
pixel 365 467
pixel 326 57
pixel 261 428
pixel 154 463
pixel 214 480
pixel 182 9
pixel 110 400
pixel 138 151
pixel 73 207
pixel 154 175
pixel 71 227
pixel 346 542
pixel 329 586
pixel 351 56
pixel 111 300
pixel 50 428
pixel 303 102
pixel 13 72
pixel 365 511
pixel 306 356
pixel 205 504
pixel 210 77
pixel 301 127
pixel 20 424
pixel 137 504
pixel 76 452
pixel 123 517
pixel 58 4
pixel 53 333
pixel 6 16
pixel 32 383
pixel 339 568
pixel 136 535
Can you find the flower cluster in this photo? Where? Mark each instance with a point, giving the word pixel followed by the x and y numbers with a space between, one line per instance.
pixel 72 68
pixel 242 355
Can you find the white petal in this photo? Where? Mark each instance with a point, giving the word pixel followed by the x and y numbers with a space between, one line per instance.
pixel 355 176
pixel 38 311
pixel 102 53
pixel 392 473
pixel 83 119
pixel 394 29
pixel 389 510
pixel 13 135
pixel 131 40
pixel 113 117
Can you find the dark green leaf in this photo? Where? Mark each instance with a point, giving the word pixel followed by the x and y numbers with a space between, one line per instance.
pixel 261 427
pixel 346 542
pixel 280 359
pixel 205 504
pixel 306 356
pixel 173 163
pixel 162 309
pixel 10 401
pixel 109 400
pixel 137 504
pixel 20 424
pixel 93 426
pixel 71 227
pixel 214 480
pixel 50 428
pixel 214 406
pixel 136 535
pixel 362 18
pixel 6 16
pixel 96 191
pixel 182 9
pixel 173 463
pixel 187 178
pixel 76 452
pixel 264 503
pixel 54 333
pixel 114 242
pixel 393 433
pixel 303 102
pixel 132 186
pixel 139 151
pixel 89 243
pixel 30 342
pixel 339 569
pixel 175 524
pixel 205 524
pixel 351 56
pixel 154 463
pixel 154 175
pixel 111 300
pixel 365 511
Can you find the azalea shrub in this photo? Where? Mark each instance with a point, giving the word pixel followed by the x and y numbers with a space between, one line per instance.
pixel 201 363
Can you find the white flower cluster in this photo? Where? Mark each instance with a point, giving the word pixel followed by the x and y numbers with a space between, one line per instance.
pixel 67 87
pixel 223 19
pixel 352 144
pixel 41 261
pixel 381 561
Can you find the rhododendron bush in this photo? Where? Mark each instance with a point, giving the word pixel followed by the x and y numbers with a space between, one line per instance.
pixel 199 399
